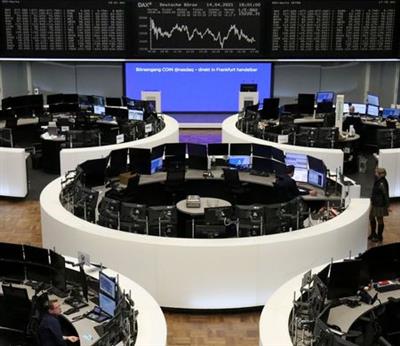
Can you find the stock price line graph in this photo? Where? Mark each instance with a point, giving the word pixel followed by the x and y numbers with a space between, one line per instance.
pixel 219 29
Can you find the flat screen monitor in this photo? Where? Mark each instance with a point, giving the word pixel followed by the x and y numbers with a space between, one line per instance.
pixel 140 160
pixel 305 103
pixel 300 174
pixel 325 96
pixel 346 108
pixel 107 285
pixel 360 108
pixel 270 109
pixel 36 255
pixel 278 154
pixel 373 100
pixel 262 164
pixel 346 278
pixel 278 168
pixel 58 264
pixel 113 101
pixel 218 149
pixel 391 112
pixel 107 304
pixel 316 164
pixel 156 165
pixel 372 110
pixel 12 270
pixel 99 110
pixel 240 149
pixel 175 149
pixel 10 251
pixel 296 160
pixel 135 114
pixel 94 171
pixel 197 154
pixel 157 152
pixel 39 273
pixel 317 179
pixel 15 292
pixel 260 150
pixel 239 161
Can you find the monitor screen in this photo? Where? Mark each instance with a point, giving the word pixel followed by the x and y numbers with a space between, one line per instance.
pixel 316 178
pixel 372 110
pixel 39 273
pixel 100 110
pixel 240 162
pixel 325 96
pixel 262 164
pixel 278 168
pixel 373 100
pixel 205 80
pixel 262 150
pixel 58 264
pixel 218 149
pixel 12 270
pixel 36 255
pixel 10 251
pixel 107 304
pixel 300 174
pixel 316 164
pixel 135 114
pixel 277 154
pixel 296 160
pixel 156 165
pixel 346 108
pixel 175 149
pixel 360 108
pixel 240 149
pixel 194 149
pixel 157 152
pixel 107 285
pixel 391 112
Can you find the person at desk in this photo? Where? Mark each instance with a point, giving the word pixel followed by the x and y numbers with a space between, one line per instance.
pixel 50 333
pixel 379 204
pixel 287 187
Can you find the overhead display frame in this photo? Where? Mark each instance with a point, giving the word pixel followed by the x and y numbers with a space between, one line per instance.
pixel 199 29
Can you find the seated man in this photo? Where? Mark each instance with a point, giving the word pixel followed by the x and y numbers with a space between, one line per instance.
pixel 50 333
pixel 287 187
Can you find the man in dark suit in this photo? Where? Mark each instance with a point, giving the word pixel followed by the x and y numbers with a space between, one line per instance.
pixel 287 187
pixel 50 333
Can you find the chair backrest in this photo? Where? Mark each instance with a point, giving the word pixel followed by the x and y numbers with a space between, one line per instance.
pixel 231 178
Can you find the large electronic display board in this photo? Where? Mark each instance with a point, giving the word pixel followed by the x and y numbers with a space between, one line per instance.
pixel 197 29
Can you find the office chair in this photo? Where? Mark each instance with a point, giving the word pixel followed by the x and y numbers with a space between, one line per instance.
pixel 174 183
pixel 109 213
pixel 119 193
pixel 133 218
pixel 233 185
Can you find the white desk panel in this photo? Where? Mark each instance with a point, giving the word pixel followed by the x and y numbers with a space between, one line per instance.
pixel 13 172
pixel 70 158
pixel 205 273
pixel 390 160
pixel 333 158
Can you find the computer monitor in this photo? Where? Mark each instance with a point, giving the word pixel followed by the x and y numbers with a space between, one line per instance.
pixel 12 270
pixel 94 171
pixel 107 304
pixel 261 164
pixel 242 149
pixel 107 285
pixel 156 165
pixel 372 110
pixel 305 103
pixel 278 154
pixel 175 149
pixel 270 109
pixel 39 273
pixel 316 164
pixel 140 160
pixel 391 112
pixel 114 101
pixel 296 160
pixel 135 114
pixel 373 100
pixel 58 264
pixel 218 149
pixel 99 110
pixel 260 150
pixel 197 156
pixel 239 161
pixel 360 108
pixel 325 96
pixel 278 168
pixel 15 292
pixel 317 179
pixel 12 252
pixel 346 278
pixel 157 152
pixel 346 108
pixel 36 255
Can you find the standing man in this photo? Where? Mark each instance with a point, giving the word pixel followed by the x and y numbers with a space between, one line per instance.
pixel 50 333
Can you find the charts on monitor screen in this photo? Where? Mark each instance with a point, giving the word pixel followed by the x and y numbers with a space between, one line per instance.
pixel 193 29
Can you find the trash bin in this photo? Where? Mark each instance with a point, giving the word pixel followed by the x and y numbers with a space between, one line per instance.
pixel 362 164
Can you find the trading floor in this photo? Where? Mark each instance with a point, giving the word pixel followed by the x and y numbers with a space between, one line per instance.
pixel 20 223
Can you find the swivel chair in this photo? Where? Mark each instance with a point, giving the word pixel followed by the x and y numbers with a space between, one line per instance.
pixel 133 218
pixel 233 185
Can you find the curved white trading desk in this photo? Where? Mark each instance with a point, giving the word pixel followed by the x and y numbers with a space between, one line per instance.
pixel 152 327
pixel 333 158
pixel 205 273
pixel 13 172
pixel 71 158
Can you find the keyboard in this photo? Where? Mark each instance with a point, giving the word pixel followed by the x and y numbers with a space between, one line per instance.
pixel 71 311
pixel 387 288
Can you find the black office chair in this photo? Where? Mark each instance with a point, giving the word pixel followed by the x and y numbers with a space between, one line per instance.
pixel 234 186
pixel 133 218
pixel 174 183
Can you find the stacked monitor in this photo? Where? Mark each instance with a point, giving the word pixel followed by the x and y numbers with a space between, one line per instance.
pixel 107 294
pixel 372 105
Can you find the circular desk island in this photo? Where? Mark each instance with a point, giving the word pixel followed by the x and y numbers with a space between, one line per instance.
pixel 333 158
pixel 205 273
pixel 71 158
